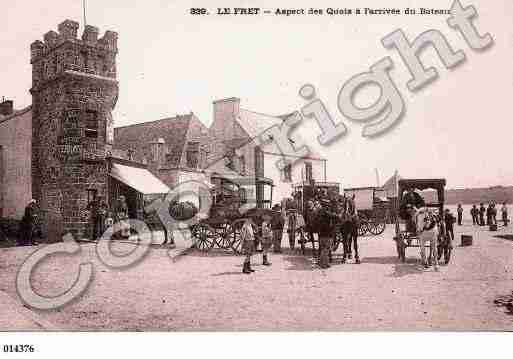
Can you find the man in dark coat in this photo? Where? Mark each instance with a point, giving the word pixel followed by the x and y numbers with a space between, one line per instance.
pixel 460 214
pixel 277 224
pixel 325 220
pixel 482 211
pixel 28 224
pixel 98 210
pixel 474 212
pixel 411 201
pixel 449 223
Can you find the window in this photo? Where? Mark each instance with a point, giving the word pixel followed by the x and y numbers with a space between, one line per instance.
pixel 308 172
pixel 192 154
pixel 242 165
pixel 287 173
pixel 91 124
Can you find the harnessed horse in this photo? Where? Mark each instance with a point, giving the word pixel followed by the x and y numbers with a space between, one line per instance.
pixel 348 227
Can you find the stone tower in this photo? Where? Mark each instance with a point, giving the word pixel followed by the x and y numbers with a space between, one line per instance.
pixel 74 90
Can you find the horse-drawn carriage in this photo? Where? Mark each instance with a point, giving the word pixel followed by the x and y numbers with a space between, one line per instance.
pixel 411 235
pixel 229 209
pixel 372 206
pixel 305 193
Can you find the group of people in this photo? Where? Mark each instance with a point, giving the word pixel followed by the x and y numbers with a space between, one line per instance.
pixel 271 237
pixel 100 219
pixel 478 214
pixel 322 214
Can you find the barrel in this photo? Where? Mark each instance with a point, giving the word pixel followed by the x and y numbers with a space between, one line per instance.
pixel 466 240
pixel 493 227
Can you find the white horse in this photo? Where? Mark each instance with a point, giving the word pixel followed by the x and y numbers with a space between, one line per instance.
pixel 428 229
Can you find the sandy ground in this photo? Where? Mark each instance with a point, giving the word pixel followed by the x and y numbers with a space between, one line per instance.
pixel 208 292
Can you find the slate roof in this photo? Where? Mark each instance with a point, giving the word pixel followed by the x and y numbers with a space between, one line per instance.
pixel 140 136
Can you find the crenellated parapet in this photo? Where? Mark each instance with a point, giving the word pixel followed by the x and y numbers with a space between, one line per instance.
pixel 64 50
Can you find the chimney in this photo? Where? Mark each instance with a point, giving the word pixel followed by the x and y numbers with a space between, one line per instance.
pixel 6 107
pixel 226 111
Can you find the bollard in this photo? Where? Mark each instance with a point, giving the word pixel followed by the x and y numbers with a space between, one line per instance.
pixel 466 240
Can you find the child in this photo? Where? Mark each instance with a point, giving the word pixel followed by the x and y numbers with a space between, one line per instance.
pixel 267 239
pixel 248 245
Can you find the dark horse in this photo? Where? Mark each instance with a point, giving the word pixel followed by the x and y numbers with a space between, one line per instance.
pixel 348 227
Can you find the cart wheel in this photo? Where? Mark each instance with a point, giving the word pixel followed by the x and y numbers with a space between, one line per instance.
pixel 363 228
pixel 205 237
pixel 234 236
pixel 377 228
pixel 224 240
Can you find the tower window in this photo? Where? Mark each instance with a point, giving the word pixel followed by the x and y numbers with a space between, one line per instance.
pixel 91 124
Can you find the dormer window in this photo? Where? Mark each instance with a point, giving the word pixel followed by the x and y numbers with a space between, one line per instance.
pixel 193 155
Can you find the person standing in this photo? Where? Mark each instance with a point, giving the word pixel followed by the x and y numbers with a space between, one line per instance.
pixel 325 220
pixel 277 224
pixel 489 214
pixel 504 211
pixel 482 211
pixel 449 223
pixel 291 227
pixel 248 245
pixel 28 224
pixel 98 210
pixel 267 240
pixel 460 214
pixel 493 213
pixel 474 213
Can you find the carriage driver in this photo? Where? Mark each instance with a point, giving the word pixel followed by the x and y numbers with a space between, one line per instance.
pixel 411 202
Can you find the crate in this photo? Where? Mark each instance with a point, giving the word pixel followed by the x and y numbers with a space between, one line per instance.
pixel 466 240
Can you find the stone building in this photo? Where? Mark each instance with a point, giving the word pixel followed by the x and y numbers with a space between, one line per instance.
pixel 59 151
pixel 63 150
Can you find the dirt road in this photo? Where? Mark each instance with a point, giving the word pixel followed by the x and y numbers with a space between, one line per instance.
pixel 208 292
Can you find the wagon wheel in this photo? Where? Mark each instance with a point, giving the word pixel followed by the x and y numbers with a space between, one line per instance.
pixel 363 225
pixel 224 241
pixel 204 236
pixel 234 236
pixel 376 227
pixel 377 223
pixel 363 228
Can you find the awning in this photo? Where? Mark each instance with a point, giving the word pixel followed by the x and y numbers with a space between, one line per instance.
pixel 139 179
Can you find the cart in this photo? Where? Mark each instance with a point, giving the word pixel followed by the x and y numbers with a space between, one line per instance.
pixel 228 212
pixel 404 238
pixel 372 206
pixel 303 193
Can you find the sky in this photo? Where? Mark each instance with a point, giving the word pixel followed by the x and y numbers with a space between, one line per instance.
pixel 171 62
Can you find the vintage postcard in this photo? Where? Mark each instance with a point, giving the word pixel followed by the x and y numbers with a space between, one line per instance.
pixel 255 166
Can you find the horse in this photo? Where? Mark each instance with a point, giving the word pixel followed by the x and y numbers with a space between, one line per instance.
pixel 429 228
pixel 348 227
